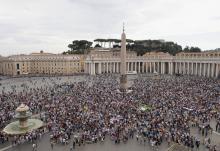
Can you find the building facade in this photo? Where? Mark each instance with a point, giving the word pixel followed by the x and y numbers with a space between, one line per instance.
pixel 201 64
pixel 41 64
pixel 108 61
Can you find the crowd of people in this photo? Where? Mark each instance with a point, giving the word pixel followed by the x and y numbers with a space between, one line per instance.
pixel 92 109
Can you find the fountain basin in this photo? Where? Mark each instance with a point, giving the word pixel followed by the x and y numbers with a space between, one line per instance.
pixel 14 128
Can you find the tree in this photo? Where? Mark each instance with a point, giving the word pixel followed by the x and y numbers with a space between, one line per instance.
pixel 143 46
pixel 70 46
pixel 195 49
pixel 99 41
pixel 186 49
pixel 97 46
pixel 191 49
pixel 139 46
pixel 78 47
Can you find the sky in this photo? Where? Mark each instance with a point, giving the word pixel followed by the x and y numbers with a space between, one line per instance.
pixel 32 25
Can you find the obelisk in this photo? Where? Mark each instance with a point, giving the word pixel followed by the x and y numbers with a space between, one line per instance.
pixel 123 78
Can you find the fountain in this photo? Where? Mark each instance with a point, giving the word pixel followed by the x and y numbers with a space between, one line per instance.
pixel 24 124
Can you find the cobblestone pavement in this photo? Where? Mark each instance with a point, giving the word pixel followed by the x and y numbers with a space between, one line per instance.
pixel 108 145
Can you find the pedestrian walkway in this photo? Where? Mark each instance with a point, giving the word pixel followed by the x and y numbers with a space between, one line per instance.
pixel 177 147
pixel 6 148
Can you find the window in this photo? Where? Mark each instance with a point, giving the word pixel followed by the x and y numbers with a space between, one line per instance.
pixel 18 67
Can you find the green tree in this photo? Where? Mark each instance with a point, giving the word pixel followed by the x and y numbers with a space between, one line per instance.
pixel 191 49
pixel 97 46
pixel 78 47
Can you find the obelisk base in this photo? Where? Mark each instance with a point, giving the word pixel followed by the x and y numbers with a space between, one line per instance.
pixel 123 83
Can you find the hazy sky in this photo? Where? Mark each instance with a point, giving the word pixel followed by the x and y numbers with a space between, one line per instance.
pixel 32 25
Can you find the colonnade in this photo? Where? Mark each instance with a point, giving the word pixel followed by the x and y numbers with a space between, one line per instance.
pixel 207 69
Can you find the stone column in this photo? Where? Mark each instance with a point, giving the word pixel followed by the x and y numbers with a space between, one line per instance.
pixel 192 68
pixel 99 69
pixel 142 67
pixel 92 69
pixel 208 68
pixel 184 68
pixel 164 68
pixel 118 67
pixel 154 67
pixel 132 68
pixel 216 70
pixel 196 73
pixel 89 65
pixel 135 66
pixel 146 66
pixel 113 67
pixel 139 67
pixel 200 69
pixel 150 68
pixel 84 68
pixel 103 67
pixel 175 68
pixel 171 66
pixel 213 70
pixel 111 64
pixel 87 68
pixel 187 68
pixel 204 69
pixel 168 67
pixel 107 68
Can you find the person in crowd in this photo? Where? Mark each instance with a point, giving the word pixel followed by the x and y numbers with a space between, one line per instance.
pixel 92 109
